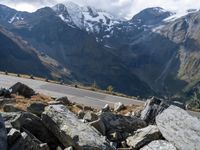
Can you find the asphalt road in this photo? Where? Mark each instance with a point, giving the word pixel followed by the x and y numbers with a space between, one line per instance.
pixel 81 96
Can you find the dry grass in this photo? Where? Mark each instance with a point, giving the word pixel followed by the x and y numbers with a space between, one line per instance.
pixel 130 108
pixel 22 103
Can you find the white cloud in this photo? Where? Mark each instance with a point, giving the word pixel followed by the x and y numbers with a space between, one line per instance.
pixel 123 8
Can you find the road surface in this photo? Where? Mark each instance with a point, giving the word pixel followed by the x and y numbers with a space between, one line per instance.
pixel 81 96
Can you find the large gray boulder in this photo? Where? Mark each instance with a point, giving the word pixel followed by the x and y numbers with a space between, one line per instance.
pixel 3 135
pixel 159 145
pixel 152 108
pixel 71 131
pixel 12 136
pixel 99 126
pixel 63 100
pixel 5 93
pixel 120 125
pixel 9 118
pixel 22 89
pixel 34 125
pixel 90 116
pixel 179 128
pixel 118 106
pixel 24 141
pixel 143 136
pixel 36 108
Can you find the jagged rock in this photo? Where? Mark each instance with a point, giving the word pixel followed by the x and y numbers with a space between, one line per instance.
pixel 178 104
pixel 3 135
pixel 179 128
pixel 5 93
pixel 152 108
pixel 36 108
pixel 9 118
pixel 118 106
pixel 4 101
pixel 106 108
pixel 22 89
pixel 90 116
pixel 87 108
pixel 143 136
pixel 59 148
pixel 63 100
pixel 123 125
pixel 28 142
pixel 36 127
pixel 71 131
pixel 123 144
pixel 99 125
pixel 159 145
pixel 13 136
pixel 10 108
pixel 81 114
pixel 69 148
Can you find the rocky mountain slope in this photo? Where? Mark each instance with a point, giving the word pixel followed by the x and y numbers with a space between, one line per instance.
pixel 49 34
pixel 18 56
pixel 149 53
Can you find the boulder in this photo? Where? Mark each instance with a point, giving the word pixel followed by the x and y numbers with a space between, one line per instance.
pixel 10 108
pixel 36 108
pixel 22 89
pixel 5 93
pixel 152 108
pixel 9 118
pixel 179 128
pixel 178 104
pixel 4 101
pixel 159 145
pixel 123 125
pixel 81 114
pixel 34 125
pixel 12 137
pixel 90 116
pixel 69 148
pixel 28 142
pixel 3 135
pixel 118 106
pixel 63 100
pixel 99 126
pixel 143 136
pixel 106 108
pixel 71 131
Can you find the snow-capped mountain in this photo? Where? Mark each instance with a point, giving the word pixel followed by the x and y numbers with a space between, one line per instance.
pixel 88 18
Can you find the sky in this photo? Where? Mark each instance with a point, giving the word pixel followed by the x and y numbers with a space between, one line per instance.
pixel 122 8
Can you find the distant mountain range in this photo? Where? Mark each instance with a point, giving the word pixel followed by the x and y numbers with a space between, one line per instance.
pixel 151 54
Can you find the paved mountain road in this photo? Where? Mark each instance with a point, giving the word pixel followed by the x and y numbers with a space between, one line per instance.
pixel 81 96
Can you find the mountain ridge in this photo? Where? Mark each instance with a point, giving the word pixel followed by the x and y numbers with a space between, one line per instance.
pixel 146 50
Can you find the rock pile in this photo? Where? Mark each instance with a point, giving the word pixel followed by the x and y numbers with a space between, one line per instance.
pixel 62 125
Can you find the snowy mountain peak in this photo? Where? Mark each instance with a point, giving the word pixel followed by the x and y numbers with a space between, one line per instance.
pixel 86 17
pixel 151 16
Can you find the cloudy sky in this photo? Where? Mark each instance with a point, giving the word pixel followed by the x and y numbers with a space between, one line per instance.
pixel 123 8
